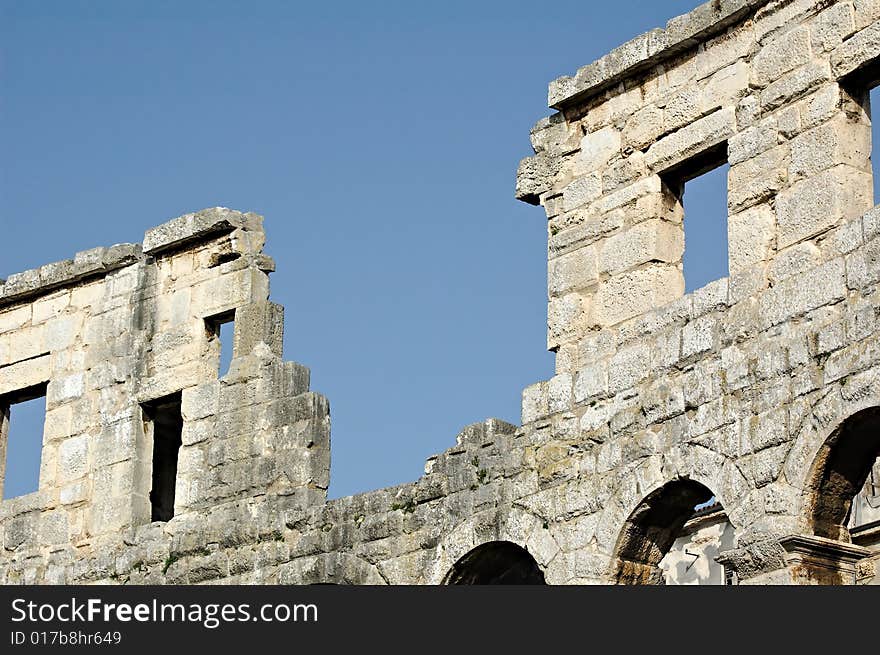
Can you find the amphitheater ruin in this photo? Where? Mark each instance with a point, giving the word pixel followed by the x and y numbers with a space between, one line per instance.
pixel 724 436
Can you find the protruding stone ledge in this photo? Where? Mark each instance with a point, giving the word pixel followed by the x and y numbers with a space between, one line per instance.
pixel 649 49
pixel 819 560
pixel 85 264
pixel 196 226
pixel 174 234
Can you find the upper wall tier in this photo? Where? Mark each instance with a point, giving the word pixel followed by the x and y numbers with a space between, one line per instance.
pixel 777 90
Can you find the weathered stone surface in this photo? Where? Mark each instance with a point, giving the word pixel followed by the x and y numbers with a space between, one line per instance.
pixel 691 140
pixel 649 49
pixel 731 391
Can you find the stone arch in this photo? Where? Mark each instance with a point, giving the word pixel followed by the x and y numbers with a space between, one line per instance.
pixel 817 431
pixel 495 562
pixel 651 529
pixel 839 471
pixel 509 523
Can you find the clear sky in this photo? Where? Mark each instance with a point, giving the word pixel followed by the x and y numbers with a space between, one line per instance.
pixel 379 140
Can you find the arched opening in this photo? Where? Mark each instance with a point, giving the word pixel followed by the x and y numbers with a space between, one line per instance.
pixel 682 513
pixel 497 562
pixel 843 472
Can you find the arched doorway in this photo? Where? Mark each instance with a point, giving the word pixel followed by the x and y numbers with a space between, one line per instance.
pixel 666 517
pixel 843 470
pixel 496 562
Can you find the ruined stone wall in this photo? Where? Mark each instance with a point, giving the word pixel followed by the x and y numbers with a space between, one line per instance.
pixel 759 389
pixel 115 329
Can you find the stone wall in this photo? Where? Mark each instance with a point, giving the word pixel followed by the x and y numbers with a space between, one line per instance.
pixel 759 390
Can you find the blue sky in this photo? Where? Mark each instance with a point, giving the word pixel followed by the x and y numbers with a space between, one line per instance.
pixel 379 140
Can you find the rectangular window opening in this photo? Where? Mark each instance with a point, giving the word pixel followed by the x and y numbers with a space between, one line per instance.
pixel 22 416
pixel 221 331
pixel 701 186
pixel 163 422
pixel 859 93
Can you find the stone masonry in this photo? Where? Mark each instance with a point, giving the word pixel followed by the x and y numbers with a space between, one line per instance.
pixel 757 394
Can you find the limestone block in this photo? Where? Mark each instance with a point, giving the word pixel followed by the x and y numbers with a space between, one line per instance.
pixel 75 492
pixel 643 127
pixel 24 374
pixel 644 187
pixel 683 108
pixel 14 318
pixel 857 51
pixel 123 282
pixel 25 343
pixel 553 135
pixel 698 336
pixel 19 284
pixel 572 271
pixel 559 392
pixel 564 316
pixel 628 367
pixel 595 346
pixel 221 294
pixel 813 205
pixel 795 84
pixel 635 292
pixel 663 401
pixel 800 294
pixel 752 141
pixel 591 381
pixel 832 26
pixel 259 322
pixel 581 191
pixel 780 55
pixel 52 528
pixel 200 401
pixel 180 307
pixel 60 422
pixel 193 226
pixel 535 176
pixel 72 458
pixel 712 297
pixel 727 47
pixel 652 240
pixel 794 260
pixel 117 442
pixel 865 11
pixel 837 141
pixel 667 349
pixel 789 122
pixel 50 306
pixel 87 296
pixel 692 139
pixel 862 266
pixel 624 172
pixel 748 111
pixel 820 106
pixel 62 331
pixel 597 148
pixel 762 169
pixel 725 87
pixel 750 236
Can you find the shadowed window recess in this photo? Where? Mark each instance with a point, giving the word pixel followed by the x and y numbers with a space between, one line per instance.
pixel 163 426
